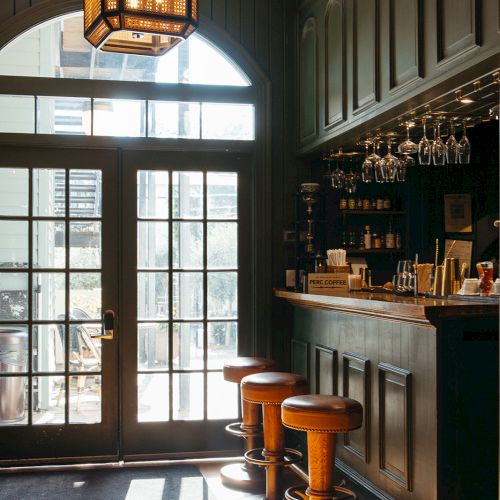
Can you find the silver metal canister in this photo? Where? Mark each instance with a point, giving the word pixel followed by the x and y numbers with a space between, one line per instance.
pixel 13 359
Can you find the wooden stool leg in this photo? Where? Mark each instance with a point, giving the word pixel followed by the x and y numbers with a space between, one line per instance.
pixel 321 454
pixel 250 413
pixel 274 444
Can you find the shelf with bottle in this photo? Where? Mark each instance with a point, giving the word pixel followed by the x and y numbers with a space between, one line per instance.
pixel 368 238
pixel 382 203
pixel 372 212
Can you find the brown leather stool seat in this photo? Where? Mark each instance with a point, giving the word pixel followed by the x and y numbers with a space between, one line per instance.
pixel 235 369
pixel 245 476
pixel 322 417
pixel 270 389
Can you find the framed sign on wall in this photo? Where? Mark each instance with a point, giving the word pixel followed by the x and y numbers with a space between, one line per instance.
pixel 457 213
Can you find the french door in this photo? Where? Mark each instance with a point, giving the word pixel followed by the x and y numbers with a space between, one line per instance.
pixel 162 240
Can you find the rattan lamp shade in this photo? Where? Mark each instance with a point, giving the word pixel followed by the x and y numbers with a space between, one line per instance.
pixel 146 27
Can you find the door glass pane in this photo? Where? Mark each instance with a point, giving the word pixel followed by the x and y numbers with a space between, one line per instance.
pixel 85 399
pixel 187 245
pixel 222 245
pixel 177 120
pixel 188 295
pixel 84 351
pixel 63 115
pixel 222 295
pixel 49 244
pixel 13 400
pixel 222 343
pixel 222 397
pixel 222 193
pixel 228 121
pixel 85 198
pixel 85 295
pixel 152 295
pixel 49 400
pixel 49 298
pixel 17 114
pixel 49 192
pixel 152 397
pixel 152 346
pixel 48 348
pixel 187 193
pixel 188 396
pixel 85 245
pixel 14 191
pixel 152 245
pixel 13 349
pixel 187 346
pixel 13 296
pixel 152 194
pixel 13 244
pixel 122 118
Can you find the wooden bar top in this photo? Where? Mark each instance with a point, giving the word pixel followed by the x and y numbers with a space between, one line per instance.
pixel 417 310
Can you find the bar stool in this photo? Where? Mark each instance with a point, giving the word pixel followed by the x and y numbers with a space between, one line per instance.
pixel 322 417
pixel 270 390
pixel 246 477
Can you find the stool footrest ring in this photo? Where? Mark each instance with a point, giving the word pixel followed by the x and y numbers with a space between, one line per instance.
pixel 299 493
pixel 290 457
pixel 236 430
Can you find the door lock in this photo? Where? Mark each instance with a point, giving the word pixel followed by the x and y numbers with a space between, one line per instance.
pixel 108 326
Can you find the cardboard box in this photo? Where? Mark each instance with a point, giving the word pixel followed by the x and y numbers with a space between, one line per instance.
pixel 327 283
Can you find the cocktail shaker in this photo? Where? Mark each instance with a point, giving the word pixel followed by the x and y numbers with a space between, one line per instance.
pixel 451 277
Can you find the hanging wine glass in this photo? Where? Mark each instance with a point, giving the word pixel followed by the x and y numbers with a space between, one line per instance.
pixel 351 179
pixel 378 162
pixel 405 161
pixel 424 148
pixel 464 147
pixel 452 146
pixel 338 176
pixel 391 163
pixel 408 147
pixel 367 165
pixel 438 146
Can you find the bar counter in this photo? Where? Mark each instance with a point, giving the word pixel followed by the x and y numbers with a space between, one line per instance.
pixel 425 371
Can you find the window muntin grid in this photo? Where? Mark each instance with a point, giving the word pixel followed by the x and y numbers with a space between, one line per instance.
pixel 55 303
pixel 182 348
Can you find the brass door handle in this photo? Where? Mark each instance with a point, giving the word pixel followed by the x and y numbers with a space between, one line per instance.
pixel 108 326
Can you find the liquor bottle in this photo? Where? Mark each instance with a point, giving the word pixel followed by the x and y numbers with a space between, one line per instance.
pixel 368 238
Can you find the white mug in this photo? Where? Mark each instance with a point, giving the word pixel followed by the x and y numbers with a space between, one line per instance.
pixel 470 286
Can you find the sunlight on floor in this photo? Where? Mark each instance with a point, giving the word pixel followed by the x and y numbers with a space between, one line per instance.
pixel 152 489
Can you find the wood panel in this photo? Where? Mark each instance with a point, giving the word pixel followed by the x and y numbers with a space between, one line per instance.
pixel 326 370
pixel 395 423
pixel 262 28
pixel 300 361
pixel 406 42
pixel 356 385
pixel 365 46
pixel 335 64
pixel 219 12
pixel 308 81
pixel 247 25
pixel 458 25
pixel 233 19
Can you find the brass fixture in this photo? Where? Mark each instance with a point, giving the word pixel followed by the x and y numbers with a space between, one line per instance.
pixel 142 27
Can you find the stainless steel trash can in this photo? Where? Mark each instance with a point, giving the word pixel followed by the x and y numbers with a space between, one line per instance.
pixel 13 359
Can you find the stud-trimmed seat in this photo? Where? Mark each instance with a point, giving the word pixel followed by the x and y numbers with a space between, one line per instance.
pixel 322 417
pixel 246 477
pixel 270 389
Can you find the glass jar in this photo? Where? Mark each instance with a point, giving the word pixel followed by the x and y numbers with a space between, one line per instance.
pixel 366 203
pixel 351 203
pixel 387 203
pixel 377 243
pixel 343 203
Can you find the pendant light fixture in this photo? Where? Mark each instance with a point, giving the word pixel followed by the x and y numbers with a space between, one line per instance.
pixel 144 27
